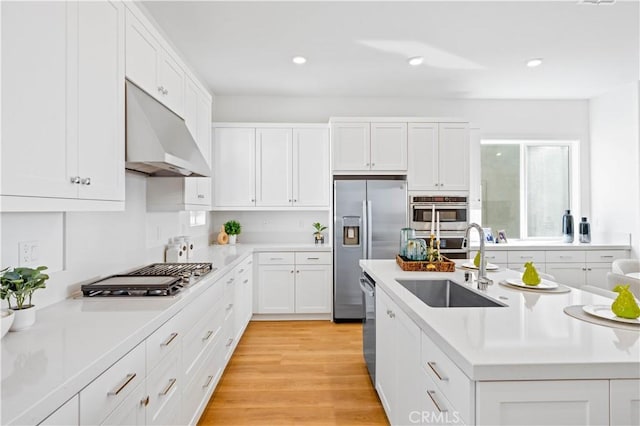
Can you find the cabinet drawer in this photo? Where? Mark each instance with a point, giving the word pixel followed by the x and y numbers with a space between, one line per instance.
pixel 559 256
pixel 162 341
pixel 606 255
pixel 196 392
pixel 198 341
pixel 245 267
pixel 276 258
pixel 106 392
pixel 493 256
pixel 520 257
pixel 449 379
pixel 435 408
pixel 164 387
pixel 313 258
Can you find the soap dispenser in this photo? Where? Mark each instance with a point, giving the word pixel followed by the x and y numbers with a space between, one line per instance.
pixel 585 231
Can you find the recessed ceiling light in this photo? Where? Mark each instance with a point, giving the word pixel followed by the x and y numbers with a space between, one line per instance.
pixel 535 62
pixel 416 60
pixel 498 154
pixel 299 60
pixel 597 2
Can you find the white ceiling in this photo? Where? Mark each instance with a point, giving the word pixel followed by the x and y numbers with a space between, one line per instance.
pixel 472 49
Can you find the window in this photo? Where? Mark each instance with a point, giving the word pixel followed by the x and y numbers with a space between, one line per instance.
pixel 527 186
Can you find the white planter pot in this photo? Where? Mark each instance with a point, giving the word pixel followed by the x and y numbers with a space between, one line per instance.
pixel 24 318
pixel 232 239
pixel 7 320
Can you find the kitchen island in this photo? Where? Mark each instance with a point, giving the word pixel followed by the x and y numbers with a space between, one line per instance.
pixel 523 363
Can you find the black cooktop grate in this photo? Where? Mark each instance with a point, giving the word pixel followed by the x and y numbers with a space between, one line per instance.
pixel 174 269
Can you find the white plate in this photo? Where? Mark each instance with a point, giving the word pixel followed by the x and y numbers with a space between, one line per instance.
pixel 544 284
pixel 604 311
pixel 490 266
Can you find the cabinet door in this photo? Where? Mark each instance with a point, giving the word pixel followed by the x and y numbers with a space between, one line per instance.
pixel 422 174
pixel 625 402
pixel 454 157
pixel 313 289
pixel 171 80
pixel 389 146
pixel 164 387
pixel 234 167
pixel 597 274
pixel 35 60
pixel 142 56
pixel 276 289
pixel 407 361
pixel 274 167
pixel 385 353
pixel 572 274
pixel 311 167
pixel 203 131
pixel 350 144
pixel 197 191
pixel 132 411
pixel 67 414
pixel 101 100
pixel 544 402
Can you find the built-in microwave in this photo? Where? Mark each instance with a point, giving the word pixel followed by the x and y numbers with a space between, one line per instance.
pixel 453 212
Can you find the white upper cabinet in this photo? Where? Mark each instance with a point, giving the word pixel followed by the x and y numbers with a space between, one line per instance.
pixel 274 167
pixel 234 157
pixel 438 157
pixel 153 68
pixel 389 146
pixel 58 58
pixel 311 167
pixel 364 146
pixel 351 145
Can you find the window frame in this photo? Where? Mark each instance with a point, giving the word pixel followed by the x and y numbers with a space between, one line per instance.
pixel 573 146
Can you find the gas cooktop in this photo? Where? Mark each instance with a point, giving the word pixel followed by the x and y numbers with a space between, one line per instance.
pixel 158 279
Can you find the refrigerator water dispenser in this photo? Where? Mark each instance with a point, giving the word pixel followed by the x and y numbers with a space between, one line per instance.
pixel 350 230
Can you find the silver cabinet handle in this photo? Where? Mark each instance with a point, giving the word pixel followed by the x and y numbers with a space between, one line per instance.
pixel 229 306
pixel 276 258
pixel 229 342
pixel 245 281
pixel 297 272
pixel 606 257
pixel 584 269
pixel 373 164
pixel 241 271
pixel 526 257
pixel 75 179
pixel 86 181
pixel 145 401
pixel 432 366
pixel 253 200
pixel 169 386
pixel 230 281
pixel 209 334
pixel 209 380
pixel 295 201
pixel 366 164
pixel 290 200
pixel 166 91
pixel 169 340
pixel 292 272
pixel 200 196
pixel 313 258
pixel 432 395
pixel 160 89
pixel 124 384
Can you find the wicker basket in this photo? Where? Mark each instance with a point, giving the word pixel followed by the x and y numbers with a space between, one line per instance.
pixel 445 265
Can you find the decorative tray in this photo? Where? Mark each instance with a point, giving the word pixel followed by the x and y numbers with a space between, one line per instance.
pixel 445 265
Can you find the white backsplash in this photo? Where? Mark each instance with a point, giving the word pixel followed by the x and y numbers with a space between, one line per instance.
pixel 272 226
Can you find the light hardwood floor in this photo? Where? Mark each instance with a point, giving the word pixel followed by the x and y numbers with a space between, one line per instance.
pixel 296 373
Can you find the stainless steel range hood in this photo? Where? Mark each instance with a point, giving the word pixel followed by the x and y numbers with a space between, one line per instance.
pixel 158 141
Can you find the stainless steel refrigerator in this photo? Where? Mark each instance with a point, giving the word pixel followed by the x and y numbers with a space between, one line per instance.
pixel 368 216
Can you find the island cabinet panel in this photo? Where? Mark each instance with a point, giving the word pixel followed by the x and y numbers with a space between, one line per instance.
pixel 67 414
pixel 397 362
pixel 544 402
pixel 625 402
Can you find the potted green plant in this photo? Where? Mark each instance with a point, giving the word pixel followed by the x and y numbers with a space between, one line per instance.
pixel 232 228
pixel 18 284
pixel 318 235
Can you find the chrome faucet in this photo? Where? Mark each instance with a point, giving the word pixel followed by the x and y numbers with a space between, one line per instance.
pixel 483 281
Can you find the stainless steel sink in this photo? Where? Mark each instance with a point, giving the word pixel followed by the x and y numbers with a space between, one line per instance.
pixel 447 294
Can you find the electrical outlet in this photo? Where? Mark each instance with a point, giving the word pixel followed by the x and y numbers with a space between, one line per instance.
pixel 28 252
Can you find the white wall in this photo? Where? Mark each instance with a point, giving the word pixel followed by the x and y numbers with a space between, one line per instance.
pixel 562 119
pixel 79 247
pixel 615 163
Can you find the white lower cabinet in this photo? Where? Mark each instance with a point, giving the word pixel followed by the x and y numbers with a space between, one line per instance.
pixel 291 283
pixel 625 402
pixel 544 402
pixel 164 387
pixel 132 411
pixel 68 414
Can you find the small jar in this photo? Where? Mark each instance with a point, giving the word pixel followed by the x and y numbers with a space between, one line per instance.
pixel 174 253
pixel 585 231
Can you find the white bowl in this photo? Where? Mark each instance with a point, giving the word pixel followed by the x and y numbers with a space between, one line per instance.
pixel 7 320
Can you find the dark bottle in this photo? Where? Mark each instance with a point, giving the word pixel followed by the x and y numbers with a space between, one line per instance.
pixel 585 231
pixel 567 227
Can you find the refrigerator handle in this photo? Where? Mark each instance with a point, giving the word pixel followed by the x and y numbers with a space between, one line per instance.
pixel 365 230
pixel 369 231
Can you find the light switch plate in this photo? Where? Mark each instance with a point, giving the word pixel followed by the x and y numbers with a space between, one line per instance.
pixel 28 252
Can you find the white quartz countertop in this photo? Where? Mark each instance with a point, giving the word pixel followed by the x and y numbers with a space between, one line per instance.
pixel 75 340
pixel 532 338
pixel 596 244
